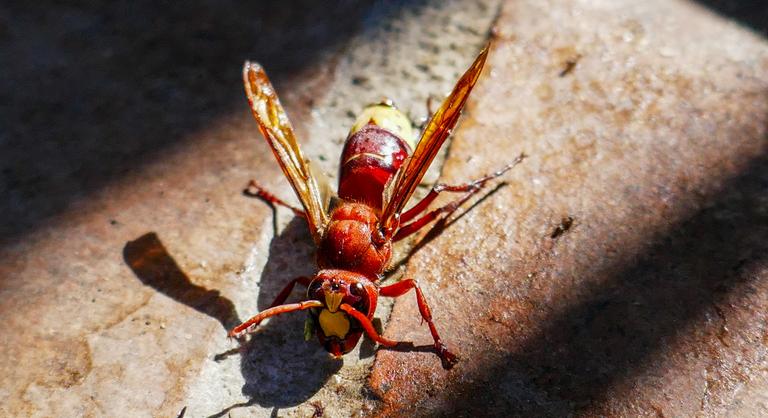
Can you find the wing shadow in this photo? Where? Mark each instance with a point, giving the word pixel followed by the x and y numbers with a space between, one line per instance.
pixel 155 267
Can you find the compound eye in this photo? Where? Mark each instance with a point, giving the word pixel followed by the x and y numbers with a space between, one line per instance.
pixel 315 290
pixel 357 289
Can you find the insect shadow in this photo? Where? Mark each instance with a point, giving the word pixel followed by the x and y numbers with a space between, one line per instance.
pixel 751 14
pixel 155 267
pixel 280 368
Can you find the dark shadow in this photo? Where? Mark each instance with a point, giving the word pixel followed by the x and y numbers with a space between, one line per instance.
pixel 750 13
pixel 291 254
pixel 618 329
pixel 92 90
pixel 280 368
pixel 155 267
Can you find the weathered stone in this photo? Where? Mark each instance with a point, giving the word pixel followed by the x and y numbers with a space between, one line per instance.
pixel 645 123
pixel 126 248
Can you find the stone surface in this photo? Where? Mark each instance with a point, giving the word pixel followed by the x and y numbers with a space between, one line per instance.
pixel 127 250
pixel 126 247
pixel 645 123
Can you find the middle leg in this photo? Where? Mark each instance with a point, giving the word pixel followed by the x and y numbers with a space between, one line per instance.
pixel 254 190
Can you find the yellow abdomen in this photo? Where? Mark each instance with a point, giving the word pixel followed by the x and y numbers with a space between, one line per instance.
pixel 388 117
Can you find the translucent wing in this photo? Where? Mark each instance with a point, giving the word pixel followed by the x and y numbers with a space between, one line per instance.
pixel 276 128
pixel 441 124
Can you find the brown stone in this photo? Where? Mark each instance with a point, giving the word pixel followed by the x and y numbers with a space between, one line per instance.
pixel 645 123
pixel 126 246
pixel 127 249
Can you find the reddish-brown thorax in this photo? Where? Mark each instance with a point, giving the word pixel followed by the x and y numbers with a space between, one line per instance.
pixel 353 242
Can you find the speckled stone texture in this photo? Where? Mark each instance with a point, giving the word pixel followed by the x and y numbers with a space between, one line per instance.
pixel 127 249
pixel 645 123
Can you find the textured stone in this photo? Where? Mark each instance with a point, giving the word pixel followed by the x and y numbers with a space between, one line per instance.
pixel 645 123
pixel 126 247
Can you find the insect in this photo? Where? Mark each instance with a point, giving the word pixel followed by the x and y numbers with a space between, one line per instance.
pixel 565 224
pixel 355 229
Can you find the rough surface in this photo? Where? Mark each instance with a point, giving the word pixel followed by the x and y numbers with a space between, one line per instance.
pixel 126 248
pixel 127 251
pixel 645 123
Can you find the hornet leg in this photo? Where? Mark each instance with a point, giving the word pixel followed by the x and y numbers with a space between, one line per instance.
pixel 242 329
pixel 283 295
pixel 254 190
pixel 470 189
pixel 402 287
pixel 367 326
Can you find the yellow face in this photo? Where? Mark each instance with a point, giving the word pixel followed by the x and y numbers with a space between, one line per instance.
pixel 334 324
pixel 389 118
pixel 332 321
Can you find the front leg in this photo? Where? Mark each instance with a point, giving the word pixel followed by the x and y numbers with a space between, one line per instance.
pixel 242 329
pixel 402 287
pixel 368 326
pixel 283 295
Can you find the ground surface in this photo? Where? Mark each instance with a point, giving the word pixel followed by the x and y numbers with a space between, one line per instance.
pixel 127 251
